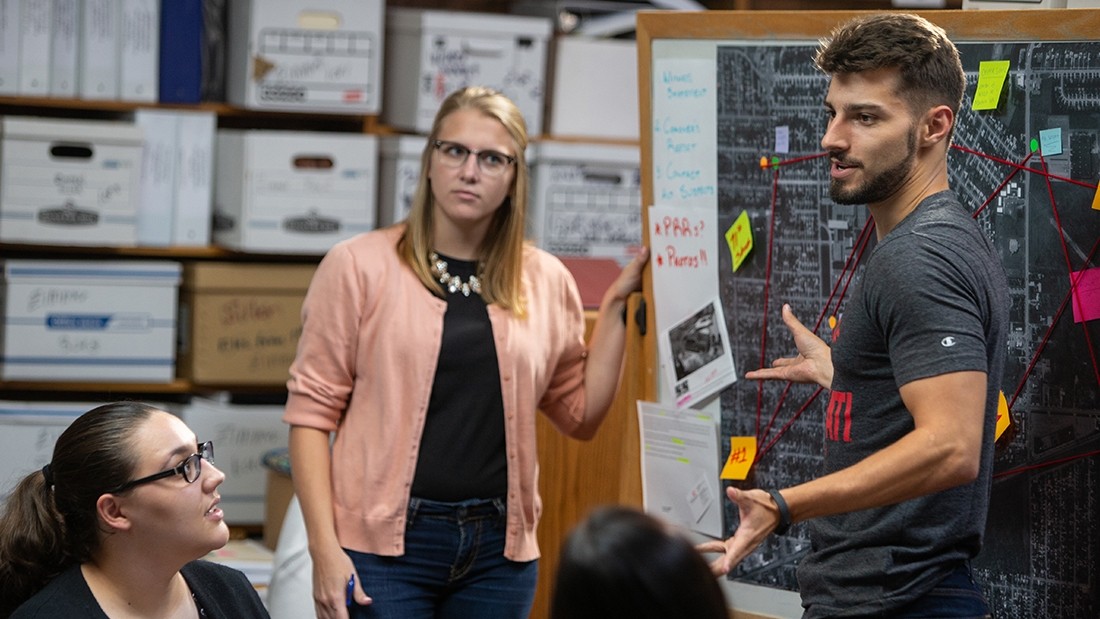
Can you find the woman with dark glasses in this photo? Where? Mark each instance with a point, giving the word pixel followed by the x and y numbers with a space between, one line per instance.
pixel 114 524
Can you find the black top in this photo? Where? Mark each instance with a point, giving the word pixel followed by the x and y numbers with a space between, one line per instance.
pixel 220 592
pixel 462 452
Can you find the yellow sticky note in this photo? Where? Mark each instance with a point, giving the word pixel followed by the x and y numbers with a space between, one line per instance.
pixel 1004 419
pixel 742 455
pixel 991 80
pixel 1096 198
pixel 739 239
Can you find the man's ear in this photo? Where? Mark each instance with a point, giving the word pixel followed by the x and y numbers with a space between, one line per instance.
pixel 937 125
pixel 112 512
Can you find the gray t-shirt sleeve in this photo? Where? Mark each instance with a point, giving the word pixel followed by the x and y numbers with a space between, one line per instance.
pixel 929 308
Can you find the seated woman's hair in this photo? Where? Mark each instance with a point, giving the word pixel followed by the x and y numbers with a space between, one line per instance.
pixel 621 562
pixel 49 520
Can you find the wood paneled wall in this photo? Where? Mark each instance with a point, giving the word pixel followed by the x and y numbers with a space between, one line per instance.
pixel 576 476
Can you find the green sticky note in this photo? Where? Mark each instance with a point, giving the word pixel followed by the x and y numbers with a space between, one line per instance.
pixel 991 80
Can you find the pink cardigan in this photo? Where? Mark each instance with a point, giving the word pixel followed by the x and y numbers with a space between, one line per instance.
pixel 370 340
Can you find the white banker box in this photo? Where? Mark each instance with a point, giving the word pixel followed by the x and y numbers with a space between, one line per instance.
pixel 89 320
pixel 595 88
pixel 430 54
pixel 293 192
pixel 242 434
pixel 587 200
pixel 28 431
pixel 69 182
pixel 321 55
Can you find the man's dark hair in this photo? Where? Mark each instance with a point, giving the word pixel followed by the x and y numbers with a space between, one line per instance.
pixel 931 73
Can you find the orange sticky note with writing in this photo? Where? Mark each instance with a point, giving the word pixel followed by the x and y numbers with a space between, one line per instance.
pixel 742 455
pixel 739 238
pixel 1004 420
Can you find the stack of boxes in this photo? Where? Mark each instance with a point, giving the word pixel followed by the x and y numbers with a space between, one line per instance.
pixel 171 178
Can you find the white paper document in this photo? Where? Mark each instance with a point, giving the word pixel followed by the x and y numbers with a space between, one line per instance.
pixel 680 467
pixel 700 361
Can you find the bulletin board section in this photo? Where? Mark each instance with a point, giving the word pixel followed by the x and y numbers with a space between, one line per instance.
pixel 722 90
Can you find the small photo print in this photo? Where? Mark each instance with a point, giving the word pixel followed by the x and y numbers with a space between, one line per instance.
pixel 695 342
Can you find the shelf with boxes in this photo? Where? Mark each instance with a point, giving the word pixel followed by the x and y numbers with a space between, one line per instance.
pixel 98 296
pixel 148 326
pixel 283 196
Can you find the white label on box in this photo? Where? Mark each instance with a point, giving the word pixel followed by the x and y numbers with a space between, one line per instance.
pixel 314 67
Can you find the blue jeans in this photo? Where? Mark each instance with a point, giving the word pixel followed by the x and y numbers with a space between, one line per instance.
pixel 956 597
pixel 453 567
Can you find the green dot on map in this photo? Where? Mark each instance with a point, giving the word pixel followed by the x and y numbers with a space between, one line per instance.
pixel 1034 145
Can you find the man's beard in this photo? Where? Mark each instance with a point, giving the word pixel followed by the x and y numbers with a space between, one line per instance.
pixel 880 186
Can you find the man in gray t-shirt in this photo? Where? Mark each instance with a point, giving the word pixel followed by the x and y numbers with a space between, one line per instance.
pixel 915 373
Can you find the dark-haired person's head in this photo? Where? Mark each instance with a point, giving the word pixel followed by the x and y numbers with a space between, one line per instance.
pixel 122 477
pixel 622 563
pixel 930 72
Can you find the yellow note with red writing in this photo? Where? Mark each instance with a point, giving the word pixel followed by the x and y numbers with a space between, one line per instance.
pixel 742 455
pixel 1004 419
pixel 739 239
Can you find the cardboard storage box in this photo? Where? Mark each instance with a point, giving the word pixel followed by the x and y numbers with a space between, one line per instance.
pixel 398 173
pixel 89 320
pixel 69 182
pixel 28 431
pixel 239 323
pixel 430 54
pixel 293 191
pixel 587 200
pixel 242 434
pixel 585 71
pixel 316 56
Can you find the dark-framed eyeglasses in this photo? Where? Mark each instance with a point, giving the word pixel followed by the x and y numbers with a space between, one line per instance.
pixel 190 469
pixel 491 162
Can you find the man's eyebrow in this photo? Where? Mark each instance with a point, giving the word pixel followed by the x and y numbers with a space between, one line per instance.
pixel 857 107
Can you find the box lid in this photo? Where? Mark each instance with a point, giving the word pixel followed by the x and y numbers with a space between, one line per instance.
pixel 93 272
pixel 477 24
pixel 237 277
pixel 69 130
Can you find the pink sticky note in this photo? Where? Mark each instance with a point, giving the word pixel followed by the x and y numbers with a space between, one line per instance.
pixel 1086 296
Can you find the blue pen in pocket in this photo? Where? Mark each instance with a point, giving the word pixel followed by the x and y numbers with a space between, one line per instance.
pixel 351 589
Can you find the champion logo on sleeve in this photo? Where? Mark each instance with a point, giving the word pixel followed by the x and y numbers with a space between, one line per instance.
pixel 948 341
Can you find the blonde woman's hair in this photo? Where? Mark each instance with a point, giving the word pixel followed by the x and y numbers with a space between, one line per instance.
pixel 500 258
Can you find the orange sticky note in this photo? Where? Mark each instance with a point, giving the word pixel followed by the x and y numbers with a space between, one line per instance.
pixel 991 80
pixel 1004 420
pixel 1096 198
pixel 739 239
pixel 742 455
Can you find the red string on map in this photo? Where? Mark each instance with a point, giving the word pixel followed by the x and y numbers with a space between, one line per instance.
pixel 855 257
